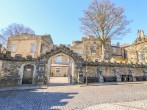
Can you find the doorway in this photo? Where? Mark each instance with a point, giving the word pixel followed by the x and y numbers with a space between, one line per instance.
pixel 60 69
pixel 28 74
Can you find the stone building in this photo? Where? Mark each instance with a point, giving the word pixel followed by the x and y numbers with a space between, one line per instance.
pixel 60 65
pixel 118 53
pixel 2 49
pixel 137 51
pixel 61 60
pixel 29 44
pixel 92 46
pixel 36 71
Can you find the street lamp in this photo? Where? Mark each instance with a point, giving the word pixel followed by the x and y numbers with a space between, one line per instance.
pixel 86 64
pixel 86 60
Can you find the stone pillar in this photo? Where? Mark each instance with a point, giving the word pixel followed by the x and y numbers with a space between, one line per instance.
pixel 99 73
pixel 80 76
pixel 116 74
pixel 144 74
pixel 132 74
pixel 41 72
pixel 73 73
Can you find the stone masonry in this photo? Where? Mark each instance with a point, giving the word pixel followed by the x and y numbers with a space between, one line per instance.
pixel 10 72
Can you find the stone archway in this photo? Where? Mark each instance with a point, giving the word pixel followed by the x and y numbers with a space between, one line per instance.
pixel 74 57
pixel 70 73
pixel 27 73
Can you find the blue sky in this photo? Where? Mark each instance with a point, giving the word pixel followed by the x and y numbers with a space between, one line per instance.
pixel 60 18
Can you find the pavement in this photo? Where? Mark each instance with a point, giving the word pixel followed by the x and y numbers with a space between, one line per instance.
pixel 78 97
pixel 114 83
pixel 29 87
pixel 135 105
pixel 22 87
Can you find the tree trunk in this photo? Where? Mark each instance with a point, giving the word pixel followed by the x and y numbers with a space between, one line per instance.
pixel 103 52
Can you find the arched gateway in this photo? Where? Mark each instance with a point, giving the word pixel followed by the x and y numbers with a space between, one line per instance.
pixel 74 61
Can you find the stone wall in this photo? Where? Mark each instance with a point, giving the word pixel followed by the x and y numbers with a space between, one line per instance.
pixel 108 69
pixel 10 72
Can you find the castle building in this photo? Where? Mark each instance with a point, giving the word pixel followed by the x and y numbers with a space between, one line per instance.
pixel 29 44
pixel 92 47
pixel 118 53
pixel 62 61
pixel 89 48
pixel 137 51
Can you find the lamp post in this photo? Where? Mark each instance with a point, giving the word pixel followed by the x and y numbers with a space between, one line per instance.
pixel 86 71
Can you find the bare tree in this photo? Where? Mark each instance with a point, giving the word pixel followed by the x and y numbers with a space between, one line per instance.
pixel 14 29
pixel 105 21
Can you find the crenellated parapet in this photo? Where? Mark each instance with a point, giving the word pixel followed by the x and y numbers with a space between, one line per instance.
pixel 6 55
pixel 115 64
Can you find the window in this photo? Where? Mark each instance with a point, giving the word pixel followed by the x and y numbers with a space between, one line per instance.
pixel 13 48
pixel 59 59
pixel 142 56
pixel 58 70
pixel 107 55
pixel 33 47
pixel 92 48
pixel 114 49
pixel 94 42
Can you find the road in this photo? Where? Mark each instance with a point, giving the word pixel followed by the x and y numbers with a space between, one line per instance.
pixel 75 97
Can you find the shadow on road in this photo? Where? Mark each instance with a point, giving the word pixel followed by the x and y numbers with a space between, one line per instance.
pixel 33 100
